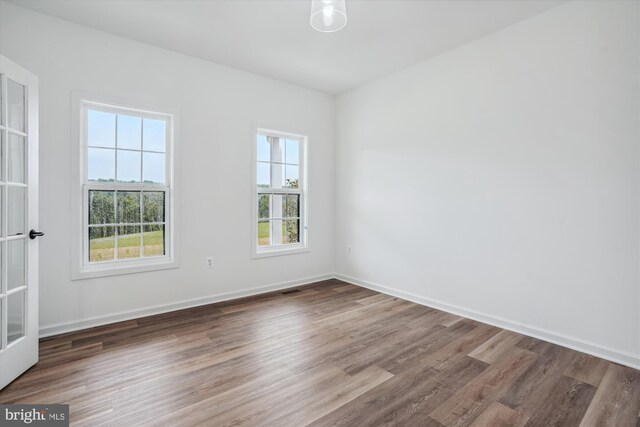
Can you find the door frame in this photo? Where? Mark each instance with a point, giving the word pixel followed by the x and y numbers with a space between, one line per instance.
pixel 23 353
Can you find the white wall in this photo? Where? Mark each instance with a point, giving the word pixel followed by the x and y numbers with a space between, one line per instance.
pixel 218 108
pixel 501 179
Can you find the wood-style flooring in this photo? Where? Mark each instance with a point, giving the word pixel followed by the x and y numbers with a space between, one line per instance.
pixel 331 354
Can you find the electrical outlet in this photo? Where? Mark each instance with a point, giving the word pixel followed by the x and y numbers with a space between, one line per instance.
pixel 209 261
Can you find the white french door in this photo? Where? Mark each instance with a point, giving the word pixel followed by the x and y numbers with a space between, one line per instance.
pixel 18 220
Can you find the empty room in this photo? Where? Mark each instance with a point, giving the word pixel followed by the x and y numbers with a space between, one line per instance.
pixel 320 212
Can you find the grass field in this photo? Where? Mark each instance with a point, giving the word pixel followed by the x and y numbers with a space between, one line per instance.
pixel 128 247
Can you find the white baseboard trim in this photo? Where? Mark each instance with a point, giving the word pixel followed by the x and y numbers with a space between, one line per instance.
pixel 621 357
pixel 62 328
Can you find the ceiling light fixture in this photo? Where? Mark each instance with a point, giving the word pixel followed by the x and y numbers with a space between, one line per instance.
pixel 328 16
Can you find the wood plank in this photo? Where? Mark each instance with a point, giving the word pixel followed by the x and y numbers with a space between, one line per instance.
pixel 565 404
pixel 617 399
pixel 468 403
pixel 492 349
pixel 588 369
pixel 498 415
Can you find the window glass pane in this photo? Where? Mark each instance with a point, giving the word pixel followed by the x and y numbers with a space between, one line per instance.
pixel 102 207
pixel 16 210
pixel 153 168
pixel 264 150
pixel 291 235
pixel 128 207
pixel 264 233
pixel 153 206
pixel 292 152
pixel 290 206
pixel 15 263
pixel 101 243
pixel 17 159
pixel 277 205
pixel 15 316
pixel 101 164
pixel 264 206
pixel 264 175
pixel 128 166
pixel 153 239
pixel 15 107
pixel 277 149
pixel 129 132
pixel 129 240
pixel 153 135
pixel 291 180
pixel 277 175
pixel 101 129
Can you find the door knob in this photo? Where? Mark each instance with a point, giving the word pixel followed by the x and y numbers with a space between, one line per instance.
pixel 33 234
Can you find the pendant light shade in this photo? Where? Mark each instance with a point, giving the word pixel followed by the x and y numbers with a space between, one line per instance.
pixel 328 16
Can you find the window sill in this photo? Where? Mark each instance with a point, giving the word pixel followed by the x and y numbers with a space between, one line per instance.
pixel 266 253
pixel 116 269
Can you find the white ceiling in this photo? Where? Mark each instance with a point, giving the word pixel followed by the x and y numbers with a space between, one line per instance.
pixel 273 37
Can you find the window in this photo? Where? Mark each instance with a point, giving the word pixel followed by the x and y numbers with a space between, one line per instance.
pixel 126 189
pixel 280 194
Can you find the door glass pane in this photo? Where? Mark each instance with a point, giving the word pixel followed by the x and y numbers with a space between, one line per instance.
pixel 153 240
pixel 101 129
pixel 15 107
pixel 153 135
pixel 153 168
pixel 129 240
pixel 1 123
pixel 102 207
pixel 128 207
pixel 2 178
pixel 16 210
pixel 264 233
pixel 2 211
pixel 2 267
pixel 101 243
pixel 101 164
pixel 129 132
pixel 17 159
pixel 15 316
pixel 129 166
pixel 153 206
pixel 15 263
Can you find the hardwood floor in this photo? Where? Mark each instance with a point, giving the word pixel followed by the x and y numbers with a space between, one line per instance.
pixel 331 354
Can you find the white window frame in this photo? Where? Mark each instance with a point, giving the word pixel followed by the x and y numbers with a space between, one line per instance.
pixel 303 245
pixel 81 268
